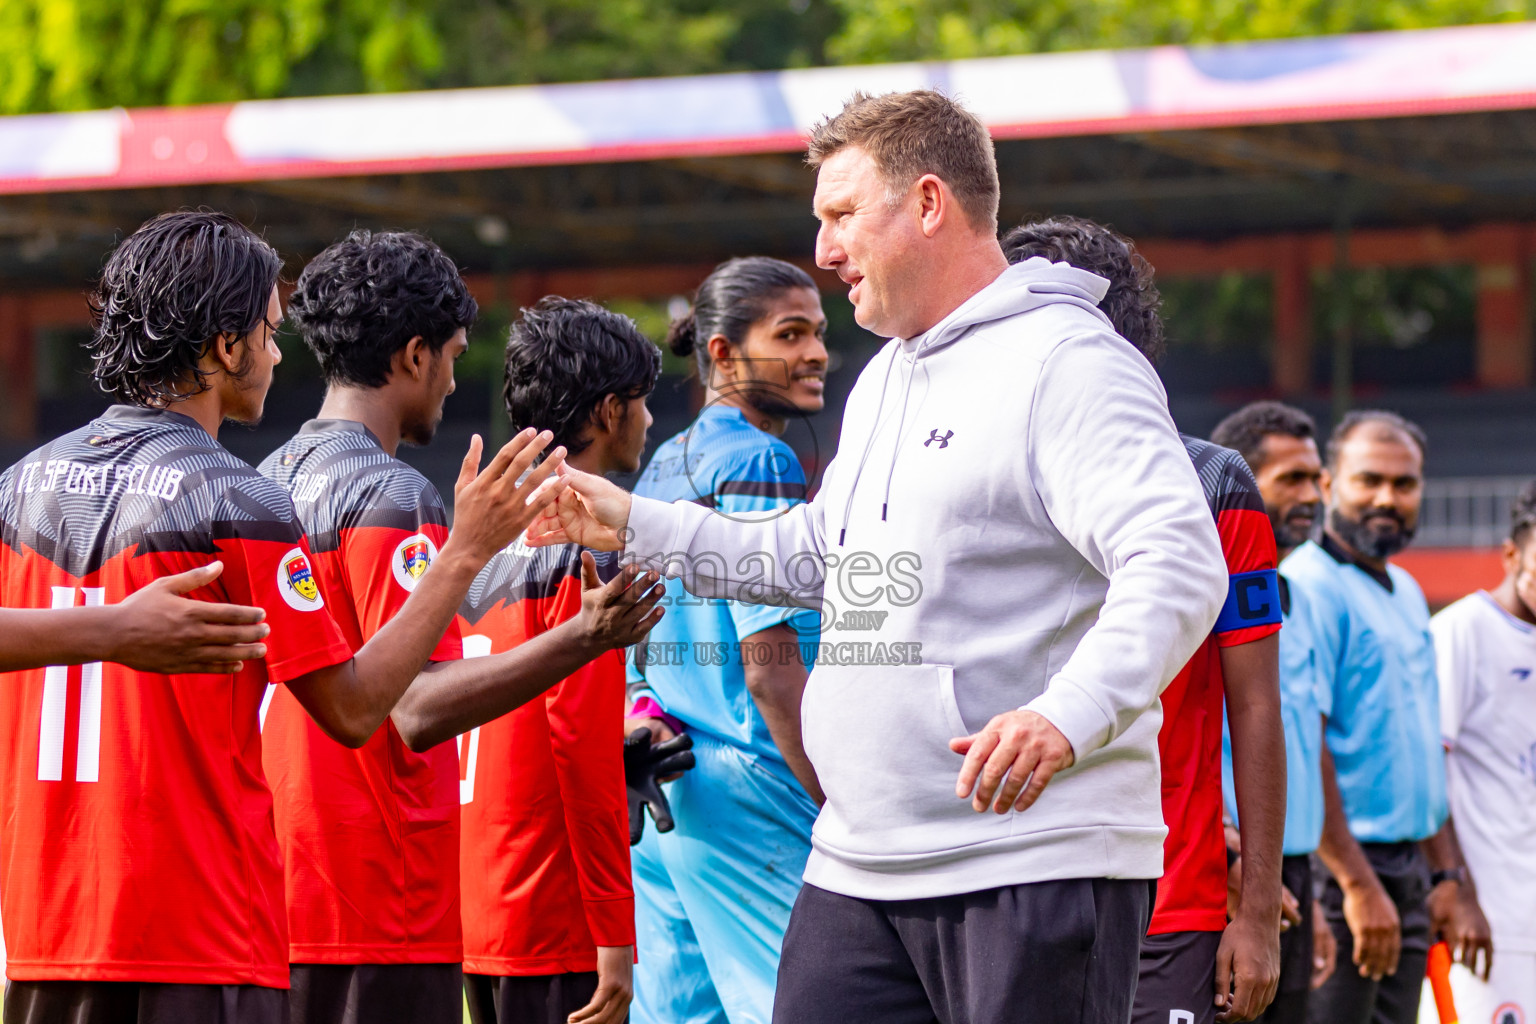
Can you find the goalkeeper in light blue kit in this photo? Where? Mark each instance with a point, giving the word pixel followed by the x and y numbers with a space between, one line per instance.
pixel 713 896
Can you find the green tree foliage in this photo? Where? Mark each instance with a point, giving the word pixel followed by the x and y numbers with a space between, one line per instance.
pixel 500 41
pixel 78 54
pixel 886 30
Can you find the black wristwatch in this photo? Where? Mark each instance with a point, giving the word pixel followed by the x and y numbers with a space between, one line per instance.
pixel 1456 874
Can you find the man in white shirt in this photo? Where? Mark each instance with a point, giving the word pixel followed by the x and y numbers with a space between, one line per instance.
pixel 1012 503
pixel 1485 650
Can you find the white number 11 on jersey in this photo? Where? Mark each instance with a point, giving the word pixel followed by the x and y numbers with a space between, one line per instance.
pixel 50 745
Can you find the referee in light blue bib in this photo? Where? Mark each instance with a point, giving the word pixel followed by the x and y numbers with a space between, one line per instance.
pixel 1279 443
pixel 1386 841
pixel 713 896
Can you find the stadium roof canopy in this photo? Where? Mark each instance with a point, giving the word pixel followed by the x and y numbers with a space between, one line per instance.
pixel 1433 127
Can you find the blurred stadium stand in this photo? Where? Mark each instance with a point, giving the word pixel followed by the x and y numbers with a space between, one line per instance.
pixel 1300 199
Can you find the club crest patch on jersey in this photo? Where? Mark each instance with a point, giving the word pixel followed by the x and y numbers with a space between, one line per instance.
pixel 296 582
pixel 412 557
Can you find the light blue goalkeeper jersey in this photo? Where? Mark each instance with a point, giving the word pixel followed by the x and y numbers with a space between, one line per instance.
pixel 694 657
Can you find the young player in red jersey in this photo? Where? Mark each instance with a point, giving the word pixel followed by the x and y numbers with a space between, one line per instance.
pixel 1196 967
pixel 142 874
pixel 157 629
pixel 371 836
pixel 549 911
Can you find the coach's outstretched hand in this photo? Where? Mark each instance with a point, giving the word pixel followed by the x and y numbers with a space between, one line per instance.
pixel 158 629
pixel 1020 745
pixel 492 506
pixel 644 766
pixel 592 512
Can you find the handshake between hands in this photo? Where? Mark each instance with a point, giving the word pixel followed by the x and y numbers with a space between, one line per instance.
pixel 1007 764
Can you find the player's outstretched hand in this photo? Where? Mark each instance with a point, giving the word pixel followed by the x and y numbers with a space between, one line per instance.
pixel 159 629
pixel 620 612
pixel 592 512
pixel 645 765
pixel 491 507
pixel 1019 746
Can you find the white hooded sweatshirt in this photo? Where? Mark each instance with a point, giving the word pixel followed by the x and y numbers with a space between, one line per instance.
pixel 1011 493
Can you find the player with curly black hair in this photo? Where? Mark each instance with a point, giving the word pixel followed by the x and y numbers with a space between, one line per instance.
pixel 549 909
pixel 1133 303
pixel 370 836
pixel 581 372
pixel 143 875
pixel 360 303
pixel 1196 966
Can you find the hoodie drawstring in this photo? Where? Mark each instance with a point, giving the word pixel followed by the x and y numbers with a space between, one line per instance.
pixel 868 444
pixel 1022 287
pixel 901 422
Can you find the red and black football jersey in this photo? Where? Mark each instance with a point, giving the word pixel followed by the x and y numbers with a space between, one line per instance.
pixel 1192 895
pixel 546 820
pixel 138 842
pixel 370 837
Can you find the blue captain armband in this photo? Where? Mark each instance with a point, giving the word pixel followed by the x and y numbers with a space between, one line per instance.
pixel 1253 599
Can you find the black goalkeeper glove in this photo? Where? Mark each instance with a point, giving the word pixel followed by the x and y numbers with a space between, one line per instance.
pixel 643 765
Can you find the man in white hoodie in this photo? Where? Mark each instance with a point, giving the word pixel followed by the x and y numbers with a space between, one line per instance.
pixel 1014 509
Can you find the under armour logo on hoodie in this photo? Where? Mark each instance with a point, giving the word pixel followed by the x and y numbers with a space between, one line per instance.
pixel 933 435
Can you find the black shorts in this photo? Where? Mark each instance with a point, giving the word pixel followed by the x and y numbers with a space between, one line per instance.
pixel 1290 1005
pixel 1060 952
pixel 531 999
pixel 1296 943
pixel 1346 997
pixel 1177 980
pixel 142 1002
pixel 376 993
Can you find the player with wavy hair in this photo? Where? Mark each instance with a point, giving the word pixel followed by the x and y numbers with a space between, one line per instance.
pixel 370 836
pixel 1133 303
pixel 143 874
pixel 549 910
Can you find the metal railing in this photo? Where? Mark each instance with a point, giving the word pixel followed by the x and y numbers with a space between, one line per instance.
pixel 1467 512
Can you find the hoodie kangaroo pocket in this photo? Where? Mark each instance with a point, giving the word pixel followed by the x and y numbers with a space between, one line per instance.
pixel 878 737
